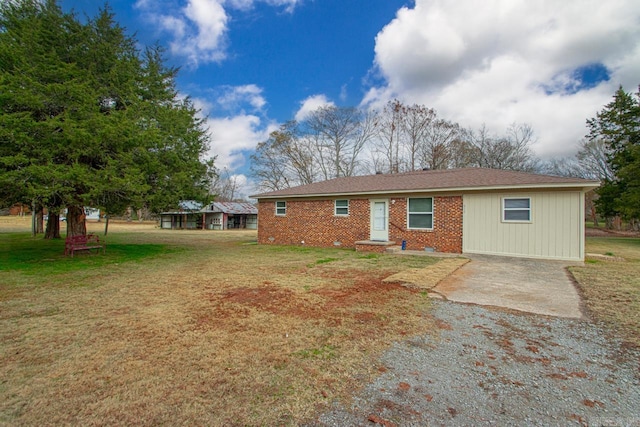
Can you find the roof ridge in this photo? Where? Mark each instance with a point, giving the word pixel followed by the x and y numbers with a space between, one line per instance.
pixel 431 180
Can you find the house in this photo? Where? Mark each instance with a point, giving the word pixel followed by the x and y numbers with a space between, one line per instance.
pixel 214 216
pixel 187 216
pixel 472 210
pixel 225 215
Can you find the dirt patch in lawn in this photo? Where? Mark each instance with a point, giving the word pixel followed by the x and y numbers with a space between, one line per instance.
pixel 217 331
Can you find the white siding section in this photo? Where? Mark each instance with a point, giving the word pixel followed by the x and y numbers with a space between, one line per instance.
pixel 556 230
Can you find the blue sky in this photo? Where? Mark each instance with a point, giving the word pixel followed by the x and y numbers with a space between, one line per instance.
pixel 251 65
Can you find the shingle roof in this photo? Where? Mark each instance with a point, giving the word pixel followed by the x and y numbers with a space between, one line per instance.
pixel 236 208
pixel 467 179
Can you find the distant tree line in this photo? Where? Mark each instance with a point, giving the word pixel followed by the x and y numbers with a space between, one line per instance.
pixel 87 119
pixel 333 142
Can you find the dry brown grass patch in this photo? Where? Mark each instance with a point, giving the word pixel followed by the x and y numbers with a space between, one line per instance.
pixel 222 332
pixel 428 277
pixel 611 288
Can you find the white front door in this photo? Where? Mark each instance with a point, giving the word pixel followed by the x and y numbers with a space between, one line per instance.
pixel 379 220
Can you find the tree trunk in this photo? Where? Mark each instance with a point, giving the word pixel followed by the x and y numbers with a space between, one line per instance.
pixel 53 226
pixel 617 223
pixel 39 219
pixel 76 225
pixel 106 224
pixel 33 219
pixel 594 216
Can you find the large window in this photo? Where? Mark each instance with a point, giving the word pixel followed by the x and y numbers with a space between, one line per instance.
pixel 281 208
pixel 516 209
pixel 420 213
pixel 342 207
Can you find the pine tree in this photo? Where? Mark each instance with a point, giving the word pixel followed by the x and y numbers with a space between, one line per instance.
pixel 86 120
pixel 618 125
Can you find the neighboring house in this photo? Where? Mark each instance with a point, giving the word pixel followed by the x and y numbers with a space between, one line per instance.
pixel 187 216
pixel 22 210
pixel 471 210
pixel 225 215
pixel 214 216
pixel 19 209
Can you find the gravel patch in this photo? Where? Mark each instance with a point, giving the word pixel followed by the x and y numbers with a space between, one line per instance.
pixel 493 367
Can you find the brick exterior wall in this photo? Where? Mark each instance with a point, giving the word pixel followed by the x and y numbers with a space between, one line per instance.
pixel 314 222
pixel 446 235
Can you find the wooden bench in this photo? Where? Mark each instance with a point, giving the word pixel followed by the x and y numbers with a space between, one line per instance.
pixel 83 243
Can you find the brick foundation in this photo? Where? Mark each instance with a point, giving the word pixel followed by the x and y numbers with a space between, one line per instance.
pixel 313 223
pixel 373 247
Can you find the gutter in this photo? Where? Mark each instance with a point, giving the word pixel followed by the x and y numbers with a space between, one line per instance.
pixel 573 186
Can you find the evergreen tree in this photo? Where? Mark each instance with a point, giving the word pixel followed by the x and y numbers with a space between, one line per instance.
pixel 618 125
pixel 86 120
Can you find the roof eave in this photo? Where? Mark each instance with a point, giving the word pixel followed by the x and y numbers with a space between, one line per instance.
pixel 571 185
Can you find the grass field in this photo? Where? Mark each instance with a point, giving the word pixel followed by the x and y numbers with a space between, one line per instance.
pixel 611 287
pixel 208 328
pixel 192 327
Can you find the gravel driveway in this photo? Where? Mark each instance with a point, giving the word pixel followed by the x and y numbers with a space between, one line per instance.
pixel 493 367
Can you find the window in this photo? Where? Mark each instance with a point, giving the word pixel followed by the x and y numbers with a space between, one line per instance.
pixel 516 209
pixel 281 208
pixel 342 207
pixel 420 212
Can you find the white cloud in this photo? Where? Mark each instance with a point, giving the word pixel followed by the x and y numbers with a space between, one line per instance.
pixel 289 5
pixel 236 133
pixel 198 28
pixel 310 104
pixel 211 22
pixel 344 92
pixel 230 136
pixel 508 61
pixel 234 96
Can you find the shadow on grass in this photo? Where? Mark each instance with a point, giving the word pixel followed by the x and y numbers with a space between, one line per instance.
pixel 21 252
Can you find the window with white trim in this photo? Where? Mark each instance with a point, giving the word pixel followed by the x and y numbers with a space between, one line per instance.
pixel 341 207
pixel 516 209
pixel 281 208
pixel 420 213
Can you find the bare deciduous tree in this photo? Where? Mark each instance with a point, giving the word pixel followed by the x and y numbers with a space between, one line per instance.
pixel 510 152
pixel 437 149
pixel 339 138
pixel 226 186
pixel 270 165
pixel 416 121
pixel 412 137
pixel 593 158
pixel 387 154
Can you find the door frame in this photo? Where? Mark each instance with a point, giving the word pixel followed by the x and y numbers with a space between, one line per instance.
pixel 378 235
